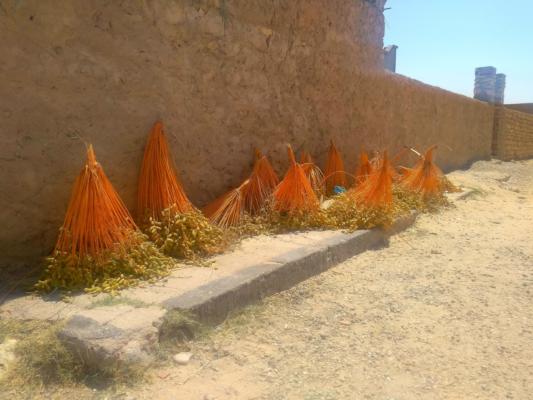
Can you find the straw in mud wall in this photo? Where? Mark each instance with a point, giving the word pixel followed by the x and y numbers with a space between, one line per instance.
pixel 334 172
pixel 159 186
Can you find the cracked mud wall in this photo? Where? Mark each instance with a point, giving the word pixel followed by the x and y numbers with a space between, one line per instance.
pixel 223 75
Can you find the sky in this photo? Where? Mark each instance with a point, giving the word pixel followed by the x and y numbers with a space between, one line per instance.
pixel 441 42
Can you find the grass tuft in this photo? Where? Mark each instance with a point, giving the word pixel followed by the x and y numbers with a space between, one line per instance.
pixel 110 301
pixel 177 330
pixel 41 360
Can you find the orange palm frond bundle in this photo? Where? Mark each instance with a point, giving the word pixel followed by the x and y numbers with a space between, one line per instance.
pixel 425 178
pixel 263 181
pixel 295 193
pixel 159 187
pixel 228 209
pixel 364 169
pixel 313 173
pixel 334 173
pixel 376 190
pixel 96 218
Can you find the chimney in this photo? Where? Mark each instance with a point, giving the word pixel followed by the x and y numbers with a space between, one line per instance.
pixel 485 85
pixel 389 57
pixel 499 89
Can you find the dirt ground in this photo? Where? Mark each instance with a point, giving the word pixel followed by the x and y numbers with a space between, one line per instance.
pixel 444 312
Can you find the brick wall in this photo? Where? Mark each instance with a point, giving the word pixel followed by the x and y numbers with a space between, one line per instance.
pixel 524 107
pixel 513 134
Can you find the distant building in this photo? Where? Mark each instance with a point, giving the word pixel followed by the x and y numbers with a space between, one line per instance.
pixel 389 57
pixel 499 89
pixel 489 86
pixel 485 84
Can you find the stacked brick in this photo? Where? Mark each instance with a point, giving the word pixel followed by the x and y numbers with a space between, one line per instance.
pixel 499 89
pixel 489 86
pixel 513 134
pixel 485 84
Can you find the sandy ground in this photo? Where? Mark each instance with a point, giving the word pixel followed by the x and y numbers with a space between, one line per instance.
pixel 444 312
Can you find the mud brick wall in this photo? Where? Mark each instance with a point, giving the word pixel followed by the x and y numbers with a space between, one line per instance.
pixel 223 75
pixel 513 134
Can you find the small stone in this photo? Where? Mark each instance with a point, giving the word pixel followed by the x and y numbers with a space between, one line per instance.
pixel 182 358
pixel 209 397
pixel 503 178
pixel 163 375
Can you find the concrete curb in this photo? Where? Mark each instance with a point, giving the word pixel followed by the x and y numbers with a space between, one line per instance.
pixel 212 302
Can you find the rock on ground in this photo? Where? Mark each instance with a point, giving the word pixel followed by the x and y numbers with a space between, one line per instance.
pixel 106 335
pixel 182 358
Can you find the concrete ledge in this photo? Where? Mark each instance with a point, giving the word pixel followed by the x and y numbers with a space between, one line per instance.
pixel 212 302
